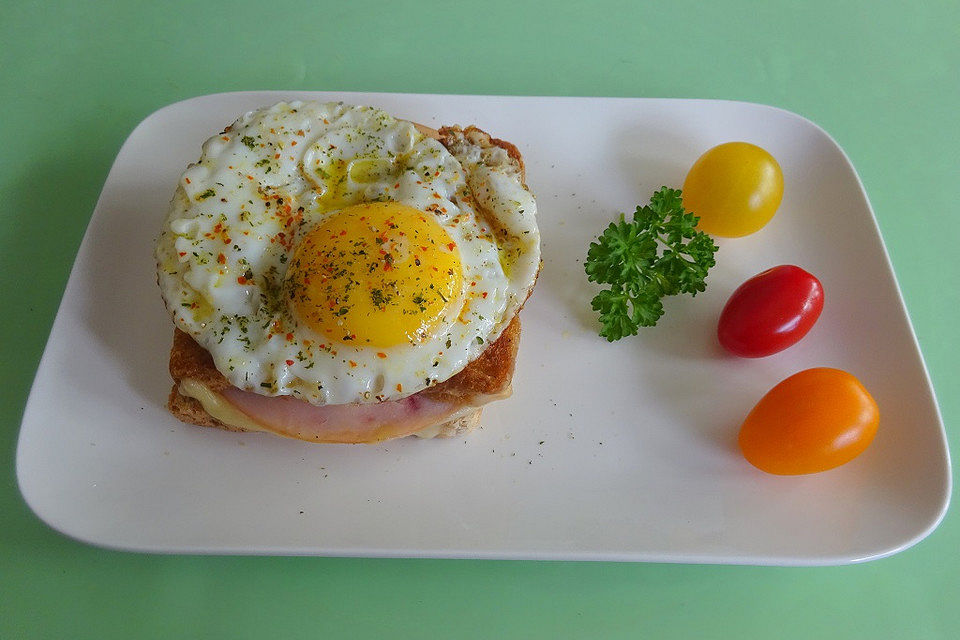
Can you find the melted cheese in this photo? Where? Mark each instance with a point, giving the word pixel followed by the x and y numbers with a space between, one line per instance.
pixel 217 406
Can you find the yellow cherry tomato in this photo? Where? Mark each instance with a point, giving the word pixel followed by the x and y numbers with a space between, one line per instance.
pixel 814 420
pixel 735 188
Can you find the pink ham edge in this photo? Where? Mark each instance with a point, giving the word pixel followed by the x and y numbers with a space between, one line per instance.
pixel 347 423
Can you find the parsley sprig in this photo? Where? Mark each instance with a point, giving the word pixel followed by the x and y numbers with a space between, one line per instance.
pixel 659 253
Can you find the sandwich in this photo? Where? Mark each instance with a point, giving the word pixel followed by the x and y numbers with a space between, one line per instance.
pixel 335 274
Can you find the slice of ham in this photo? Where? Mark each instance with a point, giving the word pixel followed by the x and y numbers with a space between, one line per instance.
pixel 348 423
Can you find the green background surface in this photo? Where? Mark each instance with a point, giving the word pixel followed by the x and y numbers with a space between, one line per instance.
pixel 75 78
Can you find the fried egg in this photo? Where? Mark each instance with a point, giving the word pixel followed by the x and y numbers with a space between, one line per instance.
pixel 335 254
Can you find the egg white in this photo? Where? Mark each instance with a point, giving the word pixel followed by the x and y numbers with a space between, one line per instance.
pixel 278 172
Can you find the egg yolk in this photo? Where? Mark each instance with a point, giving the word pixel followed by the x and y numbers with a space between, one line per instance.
pixel 379 274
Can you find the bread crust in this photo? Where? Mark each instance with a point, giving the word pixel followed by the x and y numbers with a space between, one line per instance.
pixel 448 136
pixel 490 374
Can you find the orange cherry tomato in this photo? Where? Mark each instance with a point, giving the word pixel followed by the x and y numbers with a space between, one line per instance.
pixel 814 420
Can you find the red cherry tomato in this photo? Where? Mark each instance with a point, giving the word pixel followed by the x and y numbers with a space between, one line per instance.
pixel 814 420
pixel 770 312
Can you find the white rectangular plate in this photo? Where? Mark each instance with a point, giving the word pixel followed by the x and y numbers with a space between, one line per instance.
pixel 623 451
